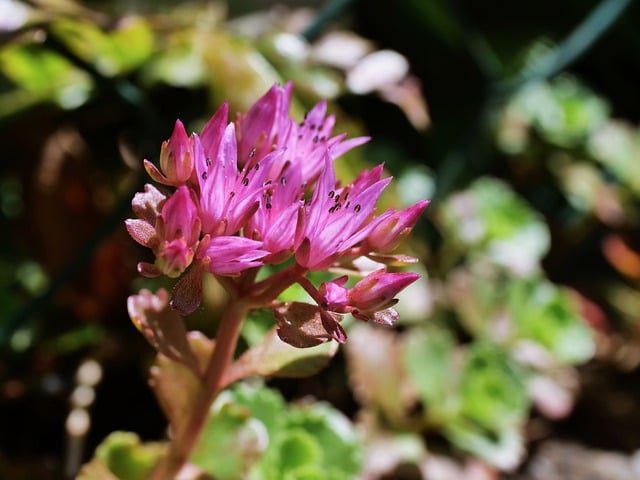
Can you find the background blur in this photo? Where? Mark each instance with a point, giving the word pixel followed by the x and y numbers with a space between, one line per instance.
pixel 516 356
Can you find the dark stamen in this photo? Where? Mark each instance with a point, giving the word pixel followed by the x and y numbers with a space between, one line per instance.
pixel 204 175
pixel 357 208
pixel 252 153
pixel 245 181
pixel 283 181
pixel 232 194
pixel 208 162
pixel 332 194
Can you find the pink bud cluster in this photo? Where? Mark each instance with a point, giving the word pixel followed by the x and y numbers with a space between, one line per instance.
pixel 262 191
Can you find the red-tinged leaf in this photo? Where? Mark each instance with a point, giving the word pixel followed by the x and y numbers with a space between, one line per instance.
pixel 300 324
pixel 175 385
pixel 162 327
pixel 187 292
pixel 272 357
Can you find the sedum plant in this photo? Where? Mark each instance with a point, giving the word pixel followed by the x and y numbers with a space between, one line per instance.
pixel 255 203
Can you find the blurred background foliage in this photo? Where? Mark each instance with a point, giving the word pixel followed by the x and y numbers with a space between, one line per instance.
pixel 519 121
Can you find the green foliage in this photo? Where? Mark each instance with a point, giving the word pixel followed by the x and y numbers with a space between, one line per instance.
pixel 122 456
pixel 285 441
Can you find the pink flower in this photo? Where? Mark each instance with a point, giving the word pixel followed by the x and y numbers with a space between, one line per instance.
pixel 229 255
pixel 334 295
pixel 174 236
pixel 373 296
pixel 309 142
pixel 263 128
pixel 337 218
pixel 393 227
pixel 227 197
pixel 176 159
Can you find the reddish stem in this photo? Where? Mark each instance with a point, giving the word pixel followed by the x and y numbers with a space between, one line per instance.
pixel 185 439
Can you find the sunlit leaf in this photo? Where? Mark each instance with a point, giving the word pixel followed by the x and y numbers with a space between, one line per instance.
pixel 121 455
pixel 274 357
pixel 341 449
pixel 112 53
pixel 429 360
pixel 493 388
pixel 503 448
pixel 231 442
pixel 548 315
pixel 45 75
pixel 489 219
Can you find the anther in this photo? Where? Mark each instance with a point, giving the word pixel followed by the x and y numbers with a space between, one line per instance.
pixel 208 162
pixel 245 181
pixel 268 205
pixel 315 139
pixel 357 208
pixel 337 198
pixel 232 194
pixel 204 175
pixel 332 194
pixel 252 153
pixel 283 181
pixel 257 167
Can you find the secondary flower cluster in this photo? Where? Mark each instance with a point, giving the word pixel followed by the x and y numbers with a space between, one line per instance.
pixel 261 191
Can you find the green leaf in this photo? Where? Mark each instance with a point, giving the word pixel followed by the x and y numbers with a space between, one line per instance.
pixel 429 360
pixel 112 53
pixel 45 75
pixel 126 457
pixel 300 449
pixel 341 447
pixel 265 404
pixel 231 441
pixel 491 220
pixel 503 448
pixel 492 388
pixel 547 314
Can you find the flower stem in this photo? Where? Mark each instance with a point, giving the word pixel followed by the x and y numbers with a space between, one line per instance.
pixel 186 437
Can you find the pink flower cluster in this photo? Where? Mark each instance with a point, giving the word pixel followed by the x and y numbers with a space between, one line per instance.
pixel 262 191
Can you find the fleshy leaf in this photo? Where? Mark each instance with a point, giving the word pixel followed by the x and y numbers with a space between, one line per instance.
pixel 300 324
pixel 428 359
pixel 175 385
pixel 187 292
pixel 342 453
pixel 122 456
pixel 274 357
pixel 231 442
pixel 162 327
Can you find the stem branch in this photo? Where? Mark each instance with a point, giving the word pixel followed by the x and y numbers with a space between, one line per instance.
pixel 186 437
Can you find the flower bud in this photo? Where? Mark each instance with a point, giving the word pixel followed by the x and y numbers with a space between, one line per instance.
pixel 376 291
pixel 394 226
